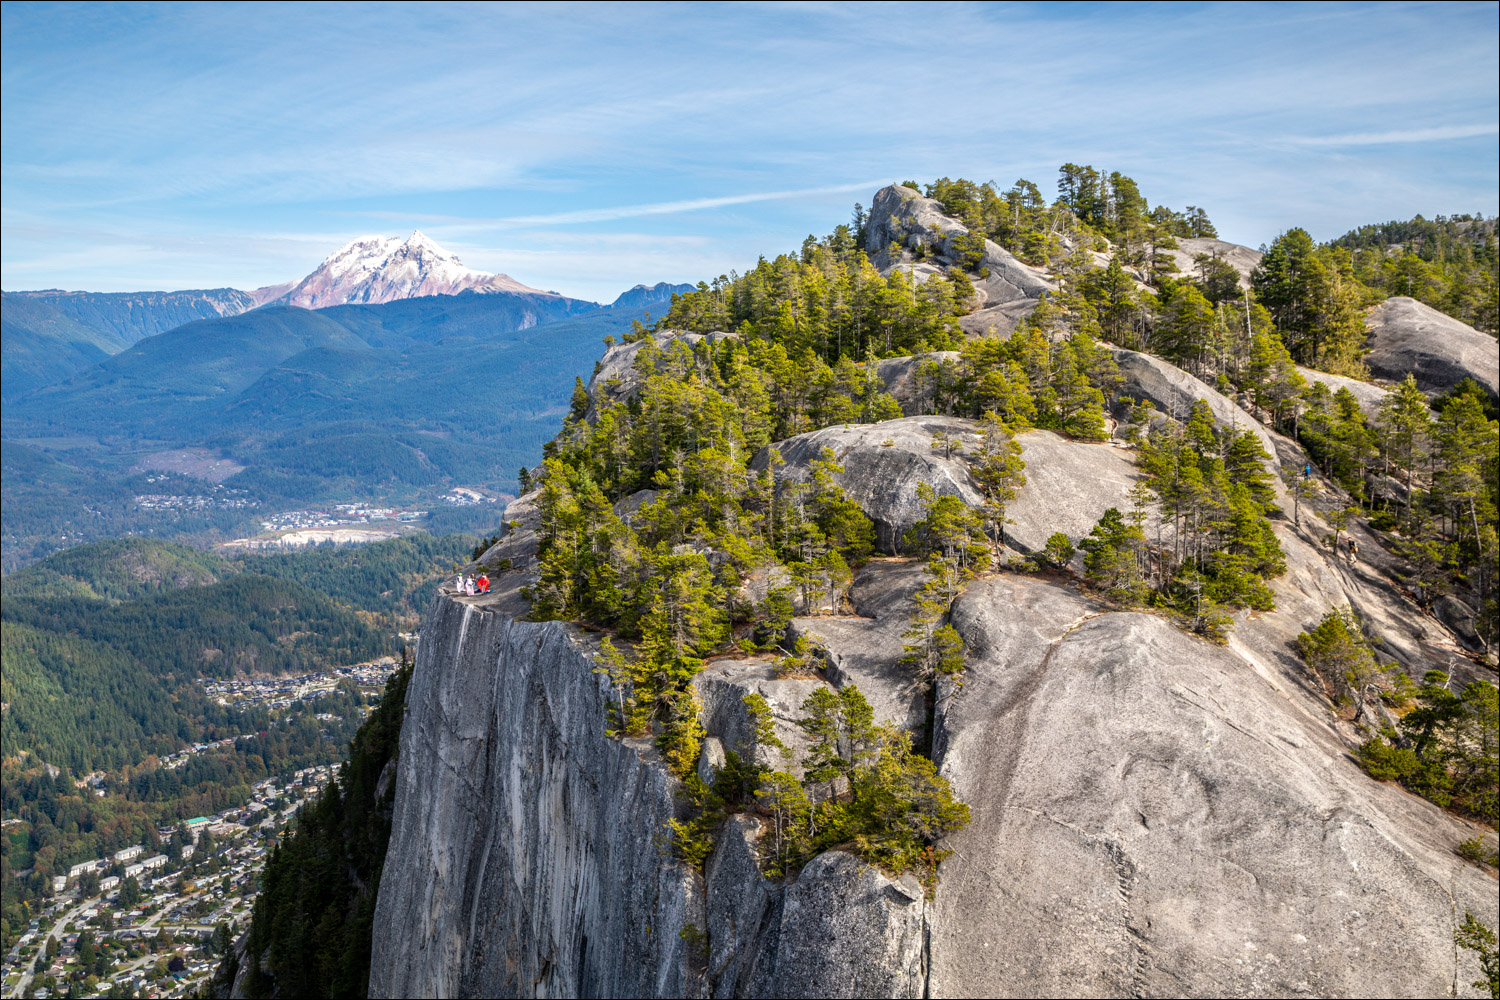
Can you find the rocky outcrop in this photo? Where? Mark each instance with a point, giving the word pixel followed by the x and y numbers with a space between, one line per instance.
pixel 1243 259
pixel 1367 394
pixel 900 215
pixel 865 649
pixel 1173 391
pixel 903 379
pixel 512 561
pixel 816 937
pixel 1155 816
pixel 530 853
pixel 722 687
pixel 997 320
pixel 1069 484
pixel 883 464
pixel 1407 336
pixel 617 378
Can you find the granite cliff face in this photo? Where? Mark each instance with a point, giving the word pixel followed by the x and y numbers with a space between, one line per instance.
pixel 530 855
pixel 526 856
pixel 1152 814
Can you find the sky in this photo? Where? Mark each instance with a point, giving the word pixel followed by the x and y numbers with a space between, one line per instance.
pixel 588 148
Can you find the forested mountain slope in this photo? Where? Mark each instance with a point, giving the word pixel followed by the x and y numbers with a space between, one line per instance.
pixel 964 605
pixel 1447 263
pixel 107 648
pixel 104 641
pixel 128 317
pixel 43 345
pixel 355 402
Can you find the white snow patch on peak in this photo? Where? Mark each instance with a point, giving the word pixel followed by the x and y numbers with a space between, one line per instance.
pixel 421 239
pixel 385 268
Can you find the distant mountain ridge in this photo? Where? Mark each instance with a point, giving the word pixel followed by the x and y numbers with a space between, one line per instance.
pixel 644 296
pixel 367 271
pixel 129 317
pixel 43 345
pixel 403 398
pixel 52 334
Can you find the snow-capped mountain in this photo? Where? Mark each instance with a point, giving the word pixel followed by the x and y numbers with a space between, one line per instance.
pixel 382 268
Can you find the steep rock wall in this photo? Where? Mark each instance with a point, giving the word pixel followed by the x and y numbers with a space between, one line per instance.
pixel 525 856
pixel 530 854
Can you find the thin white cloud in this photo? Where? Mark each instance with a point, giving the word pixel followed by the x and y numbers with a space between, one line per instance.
pixel 675 207
pixel 1397 135
pixel 246 158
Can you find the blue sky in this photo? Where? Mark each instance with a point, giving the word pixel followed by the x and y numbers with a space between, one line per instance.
pixel 587 148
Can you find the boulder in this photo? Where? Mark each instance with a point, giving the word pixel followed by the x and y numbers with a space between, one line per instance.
pixel 1154 815
pixel 1407 336
pixel 883 465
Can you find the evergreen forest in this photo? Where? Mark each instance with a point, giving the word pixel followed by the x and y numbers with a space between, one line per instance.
pixel 805 333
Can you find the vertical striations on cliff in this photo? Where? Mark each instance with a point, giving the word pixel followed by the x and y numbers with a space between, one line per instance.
pixel 530 853
pixel 527 855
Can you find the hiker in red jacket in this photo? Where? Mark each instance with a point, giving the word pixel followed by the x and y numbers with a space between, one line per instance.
pixel 484 583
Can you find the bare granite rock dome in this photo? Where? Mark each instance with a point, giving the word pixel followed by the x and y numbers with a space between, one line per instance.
pixel 1242 258
pixel 883 463
pixel 1156 816
pixel 1152 815
pixel 1367 394
pixel 1407 336
pixel 902 216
